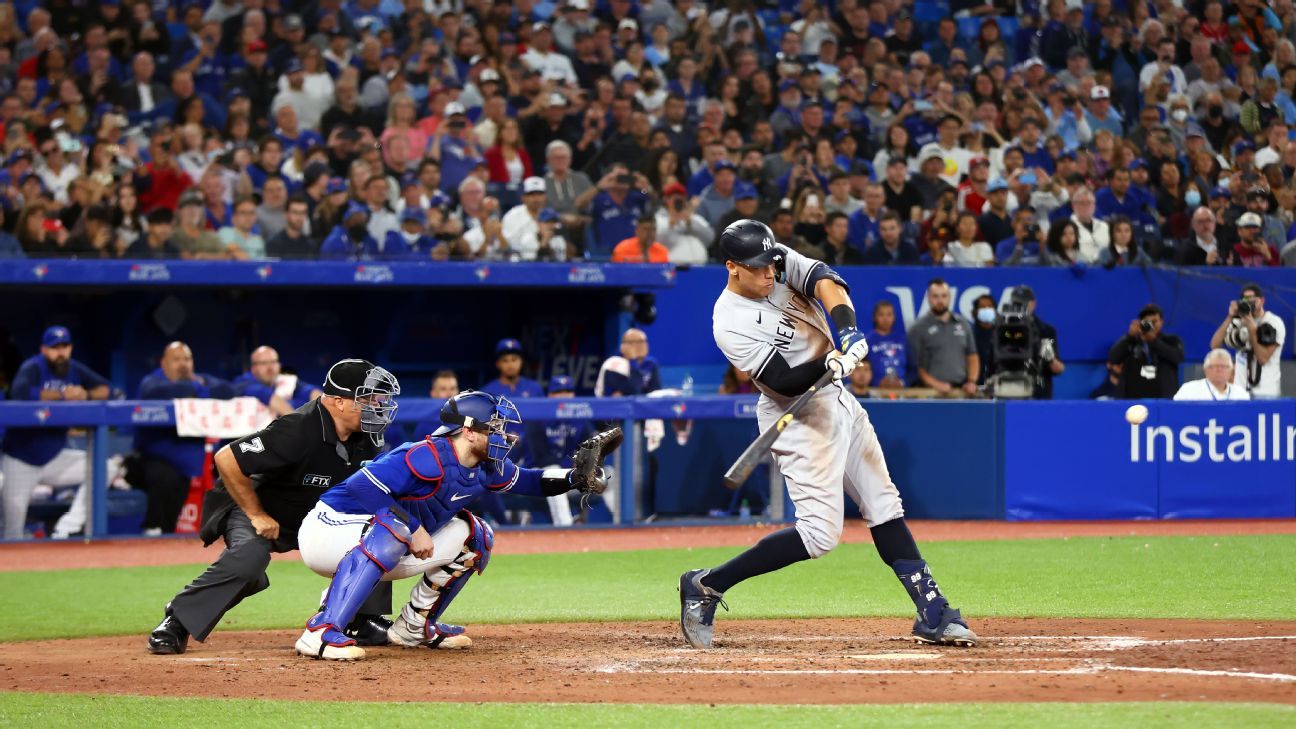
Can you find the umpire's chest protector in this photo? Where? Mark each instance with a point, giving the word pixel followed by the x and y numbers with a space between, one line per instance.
pixel 441 485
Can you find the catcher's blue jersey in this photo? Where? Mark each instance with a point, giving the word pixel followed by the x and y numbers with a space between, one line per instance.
pixel 425 479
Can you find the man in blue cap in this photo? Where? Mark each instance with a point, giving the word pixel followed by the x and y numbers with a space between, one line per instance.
pixel 42 455
pixel 350 240
pixel 510 383
pixel 411 239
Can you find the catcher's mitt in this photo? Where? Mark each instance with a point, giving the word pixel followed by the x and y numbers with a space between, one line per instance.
pixel 587 464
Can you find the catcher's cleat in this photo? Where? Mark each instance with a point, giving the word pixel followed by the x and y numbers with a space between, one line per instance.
pixel 322 640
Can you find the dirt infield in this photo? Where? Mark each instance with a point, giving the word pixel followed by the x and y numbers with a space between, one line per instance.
pixel 801 661
pixel 49 555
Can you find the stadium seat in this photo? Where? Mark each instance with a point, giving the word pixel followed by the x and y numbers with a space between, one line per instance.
pixel 969 28
pixel 929 11
pixel 1008 27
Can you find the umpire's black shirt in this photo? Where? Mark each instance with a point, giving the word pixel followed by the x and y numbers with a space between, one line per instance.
pixel 295 459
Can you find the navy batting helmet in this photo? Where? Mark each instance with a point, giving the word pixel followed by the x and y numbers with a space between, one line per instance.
pixel 484 413
pixel 751 243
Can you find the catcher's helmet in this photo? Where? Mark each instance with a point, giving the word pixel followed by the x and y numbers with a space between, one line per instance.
pixel 484 413
pixel 751 243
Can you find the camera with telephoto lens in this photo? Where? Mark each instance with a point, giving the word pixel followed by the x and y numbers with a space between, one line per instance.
pixel 1244 308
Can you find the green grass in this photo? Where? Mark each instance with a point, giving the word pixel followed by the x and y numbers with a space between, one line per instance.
pixel 135 711
pixel 1168 577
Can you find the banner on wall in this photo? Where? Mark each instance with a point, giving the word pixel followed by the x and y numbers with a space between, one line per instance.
pixel 1090 307
pixel 1081 460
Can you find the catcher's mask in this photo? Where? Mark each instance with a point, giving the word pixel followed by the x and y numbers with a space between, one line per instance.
pixel 483 413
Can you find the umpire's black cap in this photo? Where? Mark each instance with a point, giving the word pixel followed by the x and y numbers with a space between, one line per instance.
pixel 345 377
pixel 751 243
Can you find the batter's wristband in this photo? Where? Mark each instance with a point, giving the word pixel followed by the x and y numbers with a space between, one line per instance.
pixel 843 316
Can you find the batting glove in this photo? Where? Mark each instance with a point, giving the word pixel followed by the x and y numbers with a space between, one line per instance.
pixel 841 365
pixel 853 341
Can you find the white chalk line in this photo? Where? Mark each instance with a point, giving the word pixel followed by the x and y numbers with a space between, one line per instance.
pixel 1077 671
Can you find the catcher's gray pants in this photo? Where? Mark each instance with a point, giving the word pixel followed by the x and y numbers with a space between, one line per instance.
pixel 240 572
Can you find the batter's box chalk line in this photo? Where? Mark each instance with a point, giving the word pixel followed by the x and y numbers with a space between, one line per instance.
pixel 1076 671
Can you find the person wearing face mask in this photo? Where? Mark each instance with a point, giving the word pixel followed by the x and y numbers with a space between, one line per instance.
pixel 350 240
pixel 411 238
pixel 983 321
pixel 1214 124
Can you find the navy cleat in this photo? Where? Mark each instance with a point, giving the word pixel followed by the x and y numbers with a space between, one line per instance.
pixel 170 637
pixel 951 630
pixel 697 608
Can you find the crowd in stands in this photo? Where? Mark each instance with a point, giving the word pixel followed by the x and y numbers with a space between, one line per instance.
pixel 870 132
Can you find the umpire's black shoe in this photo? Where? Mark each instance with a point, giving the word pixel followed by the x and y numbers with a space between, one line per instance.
pixel 169 637
pixel 369 630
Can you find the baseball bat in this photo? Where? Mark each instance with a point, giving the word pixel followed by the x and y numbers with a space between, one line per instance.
pixel 749 459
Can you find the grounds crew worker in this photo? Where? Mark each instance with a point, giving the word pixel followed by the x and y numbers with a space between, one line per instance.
pixel 269 480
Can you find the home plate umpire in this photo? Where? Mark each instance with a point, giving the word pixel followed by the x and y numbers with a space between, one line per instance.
pixel 269 481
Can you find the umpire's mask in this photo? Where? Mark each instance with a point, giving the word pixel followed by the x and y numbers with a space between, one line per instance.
pixel 372 389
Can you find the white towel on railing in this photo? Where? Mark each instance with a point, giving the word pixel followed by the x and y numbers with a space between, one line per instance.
pixel 208 418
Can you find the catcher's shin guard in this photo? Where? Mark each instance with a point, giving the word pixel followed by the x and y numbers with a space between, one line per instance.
pixel 382 546
pixel 418 623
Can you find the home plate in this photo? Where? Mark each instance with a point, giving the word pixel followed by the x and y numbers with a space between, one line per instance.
pixel 901 656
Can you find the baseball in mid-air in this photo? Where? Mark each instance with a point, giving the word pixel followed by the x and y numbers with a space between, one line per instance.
pixel 1136 414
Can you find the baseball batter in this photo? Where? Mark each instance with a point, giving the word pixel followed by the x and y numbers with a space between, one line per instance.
pixel 769 323
pixel 406 514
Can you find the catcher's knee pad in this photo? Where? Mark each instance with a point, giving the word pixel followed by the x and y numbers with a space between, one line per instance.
pixel 386 541
pixel 820 536
pixel 480 542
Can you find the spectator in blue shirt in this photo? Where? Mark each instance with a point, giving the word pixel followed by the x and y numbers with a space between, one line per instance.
pixel 265 381
pixel 412 239
pixel 1022 248
pixel 616 208
pixel 454 146
pixel 164 464
pixel 42 455
pixel 1033 151
pixel 1117 197
pixel 350 240
pixel 888 348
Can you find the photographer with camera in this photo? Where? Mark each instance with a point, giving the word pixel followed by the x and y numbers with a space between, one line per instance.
pixel 680 229
pixel 1148 358
pixel 1258 337
pixel 1023 247
pixel 1023 349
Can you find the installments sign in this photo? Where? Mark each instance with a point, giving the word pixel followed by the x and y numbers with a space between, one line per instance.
pixel 1081 460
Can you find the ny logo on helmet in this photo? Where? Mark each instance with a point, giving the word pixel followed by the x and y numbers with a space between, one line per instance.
pixel 767 244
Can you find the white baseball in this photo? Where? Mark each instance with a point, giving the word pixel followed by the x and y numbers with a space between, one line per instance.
pixel 1136 414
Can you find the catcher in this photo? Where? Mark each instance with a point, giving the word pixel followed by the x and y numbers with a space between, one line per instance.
pixel 405 513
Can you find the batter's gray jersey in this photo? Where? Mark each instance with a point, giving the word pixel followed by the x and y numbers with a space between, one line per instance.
pixel 789 322
pixel 830 448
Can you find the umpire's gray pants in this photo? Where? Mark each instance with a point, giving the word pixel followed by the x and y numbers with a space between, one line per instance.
pixel 240 572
